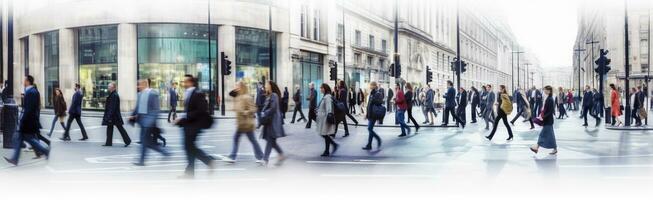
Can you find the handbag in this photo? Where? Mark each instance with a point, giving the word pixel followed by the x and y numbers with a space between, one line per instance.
pixel 330 118
pixel 378 111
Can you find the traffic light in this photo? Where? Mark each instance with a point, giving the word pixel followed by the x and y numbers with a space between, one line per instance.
pixel 463 66
pixel 398 71
pixel 429 75
pixel 392 70
pixel 454 65
pixel 333 71
pixel 602 63
pixel 226 64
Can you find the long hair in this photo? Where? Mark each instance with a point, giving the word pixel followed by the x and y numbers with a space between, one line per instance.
pixel 502 89
pixel 612 86
pixel 409 86
pixel 326 88
pixel 275 88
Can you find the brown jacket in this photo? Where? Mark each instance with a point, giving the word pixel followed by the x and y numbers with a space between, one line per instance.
pixel 59 106
pixel 245 108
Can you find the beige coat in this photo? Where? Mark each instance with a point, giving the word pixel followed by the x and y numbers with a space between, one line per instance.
pixel 323 109
pixel 245 108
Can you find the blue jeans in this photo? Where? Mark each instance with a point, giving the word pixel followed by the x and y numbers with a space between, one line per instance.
pixel 372 134
pixel 54 121
pixel 146 142
pixel 401 113
pixel 32 140
pixel 252 139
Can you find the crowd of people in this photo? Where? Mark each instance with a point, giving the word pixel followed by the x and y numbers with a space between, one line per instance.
pixel 327 109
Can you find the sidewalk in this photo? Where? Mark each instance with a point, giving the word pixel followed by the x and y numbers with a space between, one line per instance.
pixel 162 115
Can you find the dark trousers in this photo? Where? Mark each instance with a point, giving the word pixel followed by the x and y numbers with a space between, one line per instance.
pixel 341 119
pixel 146 143
pixel 172 113
pixel 79 123
pixel 530 119
pixel 635 114
pixel 271 144
pixel 311 117
pixel 447 111
pixel 298 108
pixel 474 112
pixel 352 107
pixel 411 118
pixel 586 110
pixel 562 111
pixel 500 116
pixel 30 138
pixel 123 134
pixel 372 135
pixel 328 142
pixel 192 152
pixel 460 111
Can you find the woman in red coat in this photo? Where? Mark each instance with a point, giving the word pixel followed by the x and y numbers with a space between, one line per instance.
pixel 615 105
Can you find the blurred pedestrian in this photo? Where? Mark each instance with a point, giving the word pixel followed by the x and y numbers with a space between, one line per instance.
pixel 297 98
pixel 245 108
pixel 326 120
pixel 284 103
pixel 429 106
pixel 615 105
pixel 488 114
pixel 312 104
pixel 462 106
pixel 197 118
pixel 588 104
pixel 525 110
pixel 352 100
pixel 561 100
pixel 112 117
pixel 173 99
pixel 410 100
pixel 504 109
pixel 59 105
pixel 402 105
pixel 360 99
pixel 475 100
pixel 146 114
pixel 375 112
pixel 341 111
pixel 547 137
pixel 29 123
pixel 271 121
pixel 75 113
pixel 450 106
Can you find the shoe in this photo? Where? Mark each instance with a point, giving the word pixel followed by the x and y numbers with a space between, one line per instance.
pixel 416 129
pixel 463 125
pixel 126 145
pixel 164 143
pixel 260 162
pixel 229 160
pixel 280 160
pixel 584 124
pixel 512 123
pixel 598 123
pixel 473 122
pixel 325 154
pixel 107 145
pixel 402 135
pixel 13 162
pixel 65 139
pixel 533 150
pixel 378 143
pixel 335 148
pixel 346 135
pixel 532 127
pixel 554 152
pixel 292 122
pixel 368 147
pixel 83 139
pixel 488 138
pixel 509 138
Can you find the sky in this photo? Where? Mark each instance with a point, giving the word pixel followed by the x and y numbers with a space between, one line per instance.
pixel 546 27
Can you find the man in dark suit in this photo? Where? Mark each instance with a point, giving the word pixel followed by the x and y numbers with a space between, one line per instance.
pixel 462 105
pixel 297 98
pixel 475 99
pixel 174 98
pixel 113 118
pixel 145 114
pixel 29 124
pixel 388 100
pixel 75 113
pixel 197 118
pixel 588 103
pixel 312 104
pixel 450 105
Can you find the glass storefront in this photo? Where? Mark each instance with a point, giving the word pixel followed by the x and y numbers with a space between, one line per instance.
pixel 253 56
pixel 310 67
pixel 98 56
pixel 166 52
pixel 51 64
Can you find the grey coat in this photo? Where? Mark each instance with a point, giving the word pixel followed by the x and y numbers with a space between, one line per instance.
pixel 489 104
pixel 271 109
pixel 323 109
pixel 153 108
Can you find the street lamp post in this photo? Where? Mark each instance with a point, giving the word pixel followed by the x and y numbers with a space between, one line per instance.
pixel 591 43
pixel 527 65
pixel 273 74
pixel 578 51
pixel 627 63
pixel 518 73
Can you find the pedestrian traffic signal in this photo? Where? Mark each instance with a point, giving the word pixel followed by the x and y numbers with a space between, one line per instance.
pixel 333 70
pixel 602 63
pixel 429 75
pixel 463 66
pixel 226 64
pixel 392 70
pixel 454 65
pixel 398 71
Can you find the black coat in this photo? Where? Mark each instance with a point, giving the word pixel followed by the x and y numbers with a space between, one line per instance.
pixel 29 122
pixel 409 98
pixel 462 99
pixel 312 104
pixel 284 101
pixel 587 99
pixel 474 97
pixel 549 109
pixel 197 112
pixel 112 110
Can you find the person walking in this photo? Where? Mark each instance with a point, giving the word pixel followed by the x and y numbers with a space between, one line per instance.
pixel 375 112
pixel 326 120
pixel 402 105
pixel 260 99
pixel 461 98
pixel 450 105
pixel 570 100
pixel 381 91
pixel 59 105
pixel 113 118
pixel 588 104
pixel 75 113
pixel 312 104
pixel 245 108
pixel 525 110
pixel 360 99
pixel 352 101
pixel 173 99
pixel 297 98
pixel 429 106
pixel 475 100
pixel 197 118
pixel 636 104
pixel 547 137
pixel 284 103
pixel 488 114
pixel 482 101
pixel 615 105
pixel 504 109
pixel 146 114
pixel 389 99
pixel 29 125
pixel 560 101
pixel 271 121
pixel 410 97
pixel 341 111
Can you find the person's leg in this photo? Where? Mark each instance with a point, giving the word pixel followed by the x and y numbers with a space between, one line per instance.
pixel 33 140
pixel 473 113
pixel 352 118
pixel 234 146
pixel 61 122
pixel 54 122
pixel 327 144
pixel 145 140
pixel 402 123
pixel 189 142
pixel 109 140
pixel 258 154
pixel 17 143
pixel 584 114
pixel 123 134
pixel 276 147
pixel 505 122
pixel 66 133
pixel 169 115
pixel 81 126
pixel 516 116
pixel 370 130
pixel 494 128
pixel 344 123
pixel 294 114
pixel 268 150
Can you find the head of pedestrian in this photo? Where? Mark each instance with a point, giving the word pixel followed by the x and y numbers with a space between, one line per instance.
pixel 409 87
pixel 325 89
pixel 57 92
pixel 111 87
pixel 341 84
pixel 272 88
pixel 189 81
pixel 77 86
pixel 489 87
pixel 373 85
pixel 587 88
pixel 174 85
pixel 142 84
pixel 29 81
pixel 502 89
pixel 548 90
pixel 311 85
pixel 449 84
pixel 397 87
pixel 461 90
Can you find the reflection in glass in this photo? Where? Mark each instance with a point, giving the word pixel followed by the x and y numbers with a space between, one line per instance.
pixel 253 56
pixel 98 56
pixel 51 64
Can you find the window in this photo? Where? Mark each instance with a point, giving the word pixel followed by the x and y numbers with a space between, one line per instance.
pixel 384 46
pixel 98 57
pixel 303 21
pixel 369 60
pixel 357 59
pixel 341 32
pixel 26 55
pixel 253 56
pixel 358 38
pixel 371 42
pixel 381 63
pixel 51 64
pixel 316 25
pixel 340 51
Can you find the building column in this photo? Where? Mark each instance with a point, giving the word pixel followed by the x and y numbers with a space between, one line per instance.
pixel 284 64
pixel 36 63
pixel 68 72
pixel 227 44
pixel 127 66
